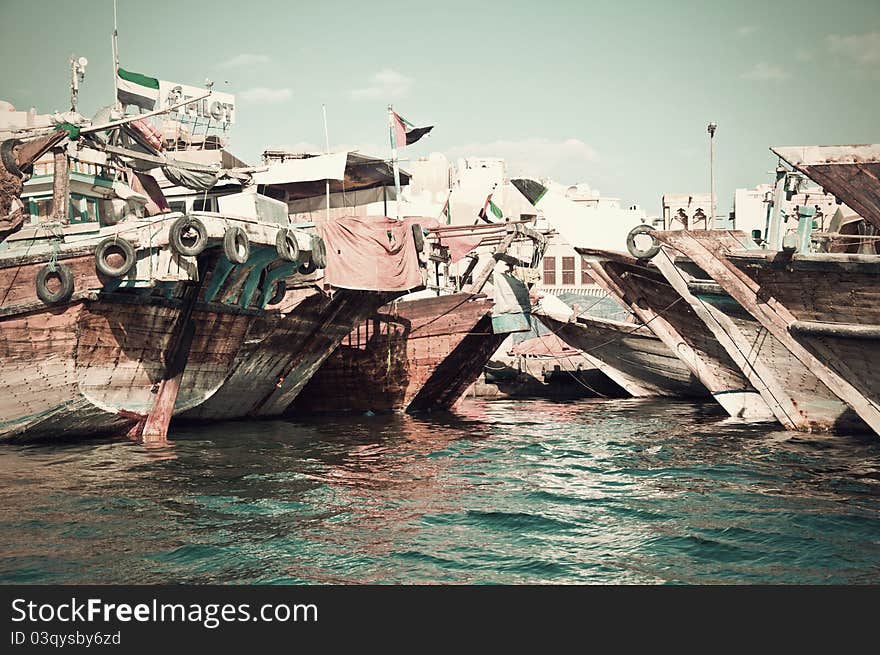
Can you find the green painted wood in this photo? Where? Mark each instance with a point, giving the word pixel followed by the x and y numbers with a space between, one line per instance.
pixel 260 258
pixel 221 271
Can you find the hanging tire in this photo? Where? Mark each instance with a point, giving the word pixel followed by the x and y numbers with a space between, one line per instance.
pixel 319 252
pixel 308 268
pixel 188 236
pixel 280 290
pixel 236 245
pixel 65 284
pixel 8 157
pixel 108 253
pixel 287 245
pixel 418 237
pixel 634 250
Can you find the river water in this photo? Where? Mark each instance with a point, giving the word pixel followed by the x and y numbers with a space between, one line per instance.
pixel 606 491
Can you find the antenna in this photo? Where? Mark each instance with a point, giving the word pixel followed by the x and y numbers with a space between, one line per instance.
pixel 77 74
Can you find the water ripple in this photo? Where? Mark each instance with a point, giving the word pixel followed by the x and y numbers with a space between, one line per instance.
pixel 621 491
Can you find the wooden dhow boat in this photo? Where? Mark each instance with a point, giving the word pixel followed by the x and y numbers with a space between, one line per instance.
pixel 819 305
pixel 421 353
pixel 115 326
pixel 799 400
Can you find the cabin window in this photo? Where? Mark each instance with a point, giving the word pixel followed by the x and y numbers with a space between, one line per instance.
pixel 177 206
pixel 205 205
pixel 585 272
pixel 568 270
pixel 40 208
pixel 549 270
pixel 83 209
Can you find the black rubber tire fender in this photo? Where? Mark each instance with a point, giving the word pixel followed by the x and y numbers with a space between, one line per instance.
pixel 307 268
pixel 418 237
pixel 634 250
pixel 319 252
pixel 176 236
pixel 64 292
pixel 286 245
pixel 109 245
pixel 278 295
pixel 236 245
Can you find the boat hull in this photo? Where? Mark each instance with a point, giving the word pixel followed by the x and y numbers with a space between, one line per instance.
pixel 634 351
pixel 647 293
pixel 797 388
pixel 412 355
pixel 282 351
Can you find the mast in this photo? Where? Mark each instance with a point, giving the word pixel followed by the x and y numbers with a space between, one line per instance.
pixel 394 161
pixel 326 152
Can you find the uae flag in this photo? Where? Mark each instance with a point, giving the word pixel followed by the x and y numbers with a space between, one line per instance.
pixel 136 89
pixel 490 206
pixel 405 133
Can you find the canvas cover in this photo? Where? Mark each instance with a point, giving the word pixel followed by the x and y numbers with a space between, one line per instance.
pixel 512 309
pixel 460 245
pixel 373 253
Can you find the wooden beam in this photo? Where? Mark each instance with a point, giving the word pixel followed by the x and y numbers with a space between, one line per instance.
pixel 155 428
pixel 840 330
pixel 61 187
pixel 761 377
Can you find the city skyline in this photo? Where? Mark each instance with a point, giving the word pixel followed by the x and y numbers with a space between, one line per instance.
pixel 615 95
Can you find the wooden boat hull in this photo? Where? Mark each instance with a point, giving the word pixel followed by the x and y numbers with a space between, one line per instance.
pixel 531 378
pixel 412 355
pixel 633 351
pixel 281 352
pixel 644 290
pixel 96 363
pixel 93 367
pixel 798 389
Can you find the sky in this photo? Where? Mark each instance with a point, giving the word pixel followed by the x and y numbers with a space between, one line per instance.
pixel 615 94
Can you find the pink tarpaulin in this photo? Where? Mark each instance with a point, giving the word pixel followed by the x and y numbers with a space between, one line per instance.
pixel 373 253
pixel 461 245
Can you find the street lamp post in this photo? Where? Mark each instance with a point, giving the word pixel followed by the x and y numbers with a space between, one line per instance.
pixel 711 129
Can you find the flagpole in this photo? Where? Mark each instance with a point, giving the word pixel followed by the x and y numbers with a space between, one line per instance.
pixel 326 152
pixel 116 57
pixel 394 163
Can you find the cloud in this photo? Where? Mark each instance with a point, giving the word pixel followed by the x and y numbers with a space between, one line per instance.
pixel 568 160
pixel 262 94
pixel 244 60
pixel 763 71
pixel 386 84
pixel 803 55
pixel 863 49
pixel 746 30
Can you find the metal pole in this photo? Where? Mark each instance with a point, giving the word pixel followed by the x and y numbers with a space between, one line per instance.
pixel 712 127
pixel 116 58
pixel 326 152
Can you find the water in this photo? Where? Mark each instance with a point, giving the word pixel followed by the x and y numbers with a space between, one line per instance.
pixel 621 491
